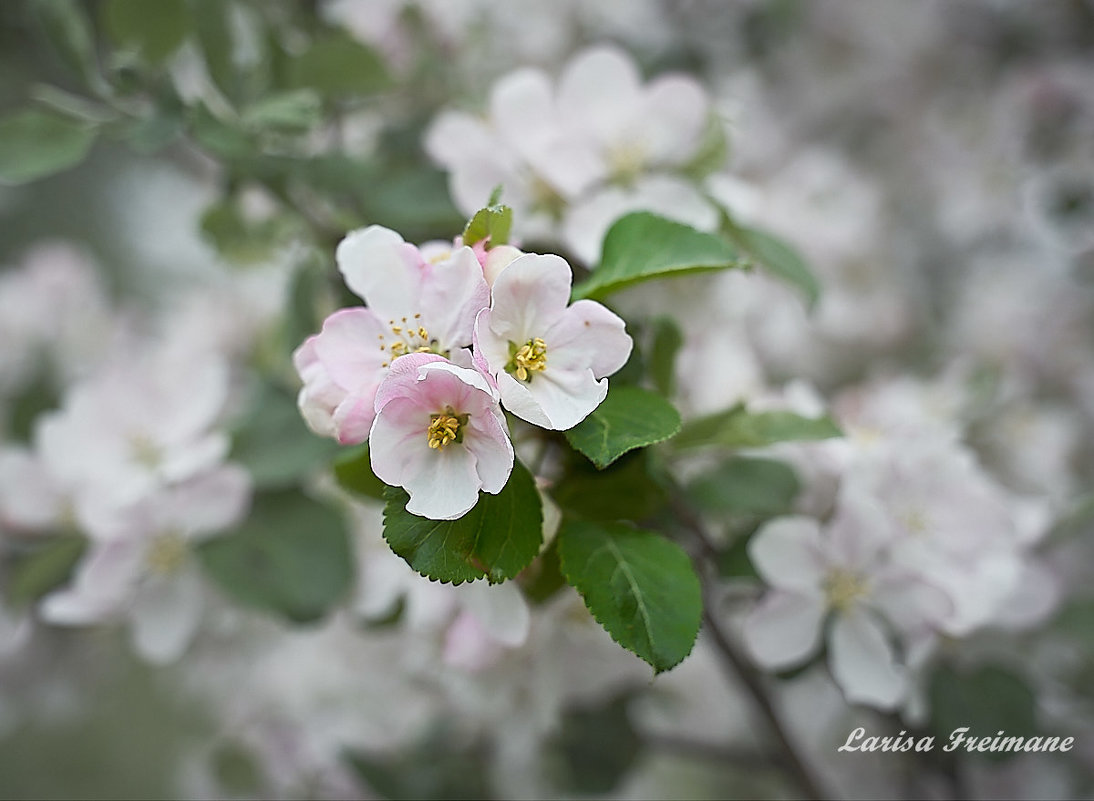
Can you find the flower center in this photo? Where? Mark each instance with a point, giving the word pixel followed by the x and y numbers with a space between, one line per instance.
pixel 626 161
pixel 445 427
pixel 545 198
pixel 531 357
pixel 145 451
pixel 915 520
pixel 166 553
pixel 842 588
pixel 408 336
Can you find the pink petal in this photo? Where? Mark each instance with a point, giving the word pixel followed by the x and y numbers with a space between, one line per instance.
pixel 454 292
pixel 382 269
pixel 349 349
pixel 529 296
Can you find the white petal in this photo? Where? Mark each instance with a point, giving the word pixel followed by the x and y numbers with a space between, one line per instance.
pixel 554 399
pixel 787 554
pixel 453 293
pixel 348 348
pixel 674 113
pixel 29 495
pixel 382 269
pixel 529 296
pixel 784 628
pixel 589 335
pixel 488 439
pixel 165 615
pixel 863 661
pixel 209 503
pixel 600 91
pixel 443 483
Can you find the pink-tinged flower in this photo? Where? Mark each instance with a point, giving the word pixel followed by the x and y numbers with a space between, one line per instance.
pixel 140 564
pixel 549 359
pixel 417 303
pixel 440 435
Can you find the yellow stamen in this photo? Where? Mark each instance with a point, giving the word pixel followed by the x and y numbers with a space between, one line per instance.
pixel 530 357
pixel 166 554
pixel 842 588
pixel 444 428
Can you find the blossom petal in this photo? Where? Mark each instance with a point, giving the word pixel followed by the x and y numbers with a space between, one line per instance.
pixel 784 628
pixel 589 335
pixel 443 483
pixel 554 399
pixel 528 296
pixel 349 348
pixel 600 90
pixel 675 110
pixel 165 614
pixel 863 661
pixel 786 553
pixel 382 269
pixel 398 434
pixel 453 293
pixel 500 609
pixel 488 439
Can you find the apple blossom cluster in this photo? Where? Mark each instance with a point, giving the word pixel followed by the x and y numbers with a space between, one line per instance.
pixel 576 154
pixel 450 336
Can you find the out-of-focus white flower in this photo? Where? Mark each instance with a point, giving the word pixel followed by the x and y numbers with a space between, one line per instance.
pixel 844 571
pixel 574 156
pixel 549 359
pixel 139 425
pixel 140 565
pixel 439 434
pixel 415 304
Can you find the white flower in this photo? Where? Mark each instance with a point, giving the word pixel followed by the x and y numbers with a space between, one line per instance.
pixel 549 358
pixel 843 571
pixel 140 565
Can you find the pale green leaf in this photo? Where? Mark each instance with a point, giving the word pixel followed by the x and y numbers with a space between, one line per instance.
pixel 739 428
pixel 629 418
pixel 34 144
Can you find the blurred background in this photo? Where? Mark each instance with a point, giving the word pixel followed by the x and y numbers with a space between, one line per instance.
pixel 175 176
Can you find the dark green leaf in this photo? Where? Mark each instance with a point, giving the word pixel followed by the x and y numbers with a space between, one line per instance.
pixel 629 418
pixel 291 556
pixel 443 767
pixel 738 428
pixel 273 442
pixel 219 138
pixel 746 486
pixel 44 569
pixel 492 222
pixel 987 700
pixel 213 23
pixel 338 65
pixel 242 240
pixel 623 491
pixel 638 585
pixel 353 470
pixel 596 745
pixel 236 770
pixel 734 561
pixel 642 246
pixel 497 539
pixel 34 144
pixel 667 341
pixel 68 30
pixel 154 29
pixel 543 578
pixel 779 258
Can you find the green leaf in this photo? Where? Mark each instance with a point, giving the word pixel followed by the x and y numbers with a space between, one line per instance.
pixel 639 586
pixel 738 428
pixel 34 144
pixel 242 240
pixel 778 257
pixel 154 29
pixel 296 110
pixel 629 418
pixel 642 246
pixel 236 770
pixel 497 539
pixel 667 341
pixel 219 138
pixel 291 556
pixel 68 30
pixel 623 491
pixel 273 442
pixel 712 152
pixel 44 569
pixel 353 469
pixel 492 222
pixel 338 65
pixel 986 700
pixel 441 767
pixel 596 745
pixel 542 579
pixel 213 24
pixel 746 486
